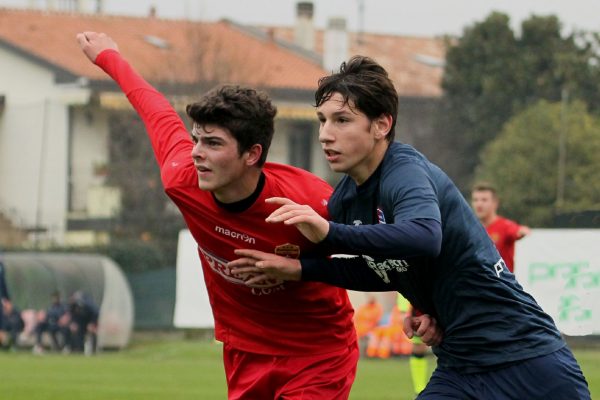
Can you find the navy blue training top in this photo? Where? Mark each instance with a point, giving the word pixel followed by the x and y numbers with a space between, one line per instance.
pixel 415 233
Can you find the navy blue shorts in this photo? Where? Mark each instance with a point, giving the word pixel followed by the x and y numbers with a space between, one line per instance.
pixel 556 376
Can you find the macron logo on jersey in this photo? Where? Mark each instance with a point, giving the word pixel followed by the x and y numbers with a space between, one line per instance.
pixel 236 235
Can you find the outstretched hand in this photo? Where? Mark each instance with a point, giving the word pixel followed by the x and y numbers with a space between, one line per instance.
pixel 93 43
pixel 425 327
pixel 314 227
pixel 261 266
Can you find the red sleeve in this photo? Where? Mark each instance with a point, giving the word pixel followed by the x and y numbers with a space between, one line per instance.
pixel 511 230
pixel 166 130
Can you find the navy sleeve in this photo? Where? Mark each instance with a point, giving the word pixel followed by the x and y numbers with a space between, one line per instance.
pixel 408 192
pixel 348 273
pixel 417 238
pixel 411 192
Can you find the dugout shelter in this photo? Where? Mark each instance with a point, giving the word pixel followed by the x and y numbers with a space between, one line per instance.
pixel 32 277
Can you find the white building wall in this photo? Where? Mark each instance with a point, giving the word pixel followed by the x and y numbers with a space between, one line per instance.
pixel 89 150
pixel 34 145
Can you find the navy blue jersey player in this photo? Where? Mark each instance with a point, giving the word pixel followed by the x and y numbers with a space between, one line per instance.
pixel 394 208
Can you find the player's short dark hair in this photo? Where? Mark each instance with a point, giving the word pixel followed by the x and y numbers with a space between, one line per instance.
pixel 365 83
pixel 246 113
pixel 485 187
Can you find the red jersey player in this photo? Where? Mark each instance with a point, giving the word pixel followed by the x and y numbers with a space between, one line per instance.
pixel 503 232
pixel 281 339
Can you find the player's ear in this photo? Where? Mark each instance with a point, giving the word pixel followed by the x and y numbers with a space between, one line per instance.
pixel 253 154
pixel 382 125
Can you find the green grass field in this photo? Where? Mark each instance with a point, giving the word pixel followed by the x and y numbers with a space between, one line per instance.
pixel 183 369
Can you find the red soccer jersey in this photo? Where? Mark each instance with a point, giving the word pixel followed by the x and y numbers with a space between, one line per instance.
pixel 504 234
pixel 278 318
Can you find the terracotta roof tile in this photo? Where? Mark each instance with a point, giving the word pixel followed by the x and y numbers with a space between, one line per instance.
pixel 162 50
pixel 220 51
pixel 414 63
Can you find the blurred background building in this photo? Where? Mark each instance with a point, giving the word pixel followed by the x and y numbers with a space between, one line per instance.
pixel 61 118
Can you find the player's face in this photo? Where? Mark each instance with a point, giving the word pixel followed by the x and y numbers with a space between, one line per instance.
pixel 218 163
pixel 348 138
pixel 484 204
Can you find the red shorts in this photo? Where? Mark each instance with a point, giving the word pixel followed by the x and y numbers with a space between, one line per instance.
pixel 253 376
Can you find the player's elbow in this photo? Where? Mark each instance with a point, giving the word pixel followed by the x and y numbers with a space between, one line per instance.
pixel 435 246
pixel 431 248
pixel 431 243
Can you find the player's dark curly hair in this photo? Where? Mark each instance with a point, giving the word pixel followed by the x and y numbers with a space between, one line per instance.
pixel 246 113
pixel 365 85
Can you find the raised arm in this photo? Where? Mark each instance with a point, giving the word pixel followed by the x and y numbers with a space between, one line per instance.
pixel 168 134
pixel 93 43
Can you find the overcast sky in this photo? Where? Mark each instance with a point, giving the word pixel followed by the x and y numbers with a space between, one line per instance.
pixel 415 17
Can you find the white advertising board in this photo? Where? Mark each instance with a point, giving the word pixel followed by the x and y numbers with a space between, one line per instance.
pixel 561 269
pixel 192 307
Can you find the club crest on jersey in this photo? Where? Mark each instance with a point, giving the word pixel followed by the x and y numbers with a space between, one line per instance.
pixel 380 216
pixel 288 250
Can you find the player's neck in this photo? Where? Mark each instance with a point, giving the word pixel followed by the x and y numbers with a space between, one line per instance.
pixel 239 189
pixel 489 219
pixel 362 171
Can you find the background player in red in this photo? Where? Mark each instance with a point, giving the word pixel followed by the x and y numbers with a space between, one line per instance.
pixel 503 232
pixel 281 339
